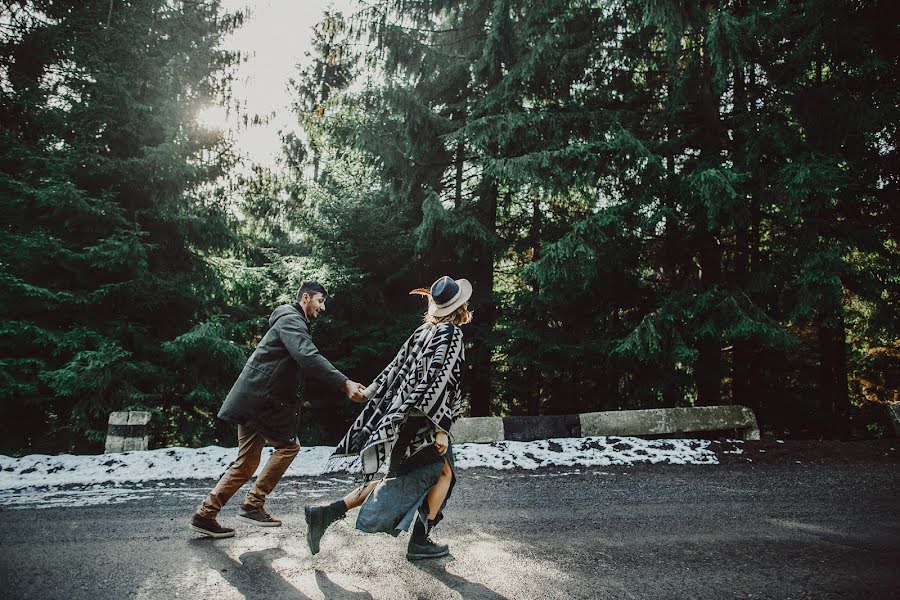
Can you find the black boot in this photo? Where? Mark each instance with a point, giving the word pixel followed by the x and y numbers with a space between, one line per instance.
pixel 420 544
pixel 318 518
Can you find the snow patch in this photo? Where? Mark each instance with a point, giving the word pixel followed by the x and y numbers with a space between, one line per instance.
pixel 178 464
pixel 587 452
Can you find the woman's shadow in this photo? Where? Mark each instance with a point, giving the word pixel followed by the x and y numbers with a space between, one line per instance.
pixel 254 577
pixel 467 589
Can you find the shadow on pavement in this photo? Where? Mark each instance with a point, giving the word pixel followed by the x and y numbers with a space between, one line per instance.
pixel 467 589
pixel 332 590
pixel 252 574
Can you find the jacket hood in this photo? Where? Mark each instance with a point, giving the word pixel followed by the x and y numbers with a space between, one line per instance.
pixel 286 309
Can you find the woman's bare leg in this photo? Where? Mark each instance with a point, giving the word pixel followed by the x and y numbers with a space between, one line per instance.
pixel 438 492
pixel 359 495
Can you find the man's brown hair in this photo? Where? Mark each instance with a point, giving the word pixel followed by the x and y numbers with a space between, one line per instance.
pixel 312 288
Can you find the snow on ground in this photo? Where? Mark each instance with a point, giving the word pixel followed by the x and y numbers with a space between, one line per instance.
pixel 179 464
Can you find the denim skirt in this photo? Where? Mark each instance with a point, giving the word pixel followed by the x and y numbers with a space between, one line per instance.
pixel 393 504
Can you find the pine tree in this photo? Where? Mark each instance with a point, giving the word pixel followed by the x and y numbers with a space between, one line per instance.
pixel 330 71
pixel 838 82
pixel 403 128
pixel 645 191
pixel 105 223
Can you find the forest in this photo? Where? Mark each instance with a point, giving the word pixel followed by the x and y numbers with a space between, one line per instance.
pixel 659 203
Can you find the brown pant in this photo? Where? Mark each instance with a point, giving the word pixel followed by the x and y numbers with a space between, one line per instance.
pixel 250 445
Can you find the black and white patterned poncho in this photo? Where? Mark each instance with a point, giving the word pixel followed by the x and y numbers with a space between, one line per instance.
pixel 424 378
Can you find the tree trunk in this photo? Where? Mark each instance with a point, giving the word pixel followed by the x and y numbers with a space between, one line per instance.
pixel 457 188
pixel 834 395
pixel 532 374
pixel 673 239
pixel 708 376
pixel 833 389
pixel 742 355
pixel 483 304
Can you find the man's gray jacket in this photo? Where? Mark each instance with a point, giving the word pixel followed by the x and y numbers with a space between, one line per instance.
pixel 265 396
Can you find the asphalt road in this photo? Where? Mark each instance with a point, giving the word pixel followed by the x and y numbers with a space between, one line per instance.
pixel 783 530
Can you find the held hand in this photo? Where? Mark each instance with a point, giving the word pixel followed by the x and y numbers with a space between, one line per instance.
pixel 441 441
pixel 359 395
pixel 354 391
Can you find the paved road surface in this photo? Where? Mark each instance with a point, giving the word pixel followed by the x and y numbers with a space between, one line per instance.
pixel 782 530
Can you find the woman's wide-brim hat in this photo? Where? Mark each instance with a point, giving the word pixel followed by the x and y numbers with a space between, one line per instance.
pixel 448 294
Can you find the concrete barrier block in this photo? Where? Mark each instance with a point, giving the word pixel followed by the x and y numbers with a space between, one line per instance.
pixel 707 418
pixel 478 430
pixel 751 431
pixel 138 417
pixel 894 412
pixel 119 418
pixel 716 418
pixel 526 429
pixel 127 431
pixel 664 421
pixel 627 422
pixel 133 444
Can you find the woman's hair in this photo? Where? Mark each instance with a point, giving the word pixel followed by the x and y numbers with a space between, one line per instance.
pixel 460 316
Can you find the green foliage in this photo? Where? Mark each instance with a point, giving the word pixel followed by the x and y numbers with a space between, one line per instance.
pixel 102 252
pixel 659 203
pixel 656 184
pixel 450 234
pixel 718 191
pixel 724 39
pixel 207 342
pixel 96 373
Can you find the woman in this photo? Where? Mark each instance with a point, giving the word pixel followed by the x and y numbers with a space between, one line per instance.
pixel 412 406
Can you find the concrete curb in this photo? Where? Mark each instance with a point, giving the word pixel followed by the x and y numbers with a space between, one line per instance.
pixel 636 423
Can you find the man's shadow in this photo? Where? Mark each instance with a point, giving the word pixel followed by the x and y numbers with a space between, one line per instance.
pixel 253 576
pixel 467 589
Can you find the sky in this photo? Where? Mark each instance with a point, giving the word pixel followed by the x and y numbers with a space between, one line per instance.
pixel 276 36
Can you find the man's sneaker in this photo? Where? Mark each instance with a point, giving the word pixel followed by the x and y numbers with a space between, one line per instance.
pixel 257 516
pixel 210 527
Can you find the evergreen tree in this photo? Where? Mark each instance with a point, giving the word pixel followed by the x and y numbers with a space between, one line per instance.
pixel 400 129
pixel 330 71
pixel 105 222
pixel 838 84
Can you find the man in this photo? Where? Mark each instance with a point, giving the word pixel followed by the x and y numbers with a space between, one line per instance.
pixel 265 404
